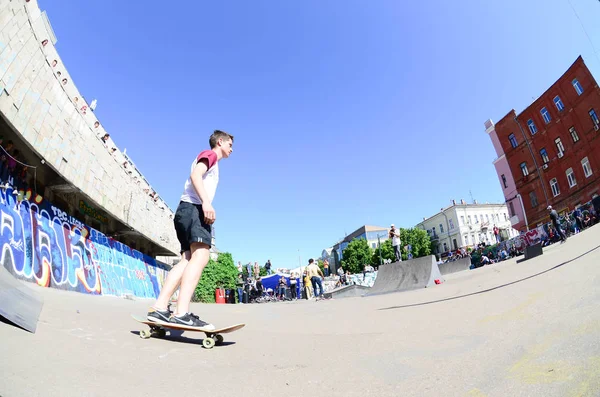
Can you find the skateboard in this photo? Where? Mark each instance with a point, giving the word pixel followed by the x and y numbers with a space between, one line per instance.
pixel 213 337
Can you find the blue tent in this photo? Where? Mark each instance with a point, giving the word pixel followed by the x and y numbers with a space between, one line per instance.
pixel 272 282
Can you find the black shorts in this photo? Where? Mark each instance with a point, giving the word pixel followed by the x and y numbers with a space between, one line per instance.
pixel 190 226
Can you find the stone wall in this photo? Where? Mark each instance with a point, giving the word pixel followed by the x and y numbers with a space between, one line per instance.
pixel 39 98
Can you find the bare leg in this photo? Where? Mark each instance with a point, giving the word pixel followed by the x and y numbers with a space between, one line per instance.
pixel 172 282
pixel 191 275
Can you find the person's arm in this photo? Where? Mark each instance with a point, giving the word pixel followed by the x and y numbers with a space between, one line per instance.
pixel 198 183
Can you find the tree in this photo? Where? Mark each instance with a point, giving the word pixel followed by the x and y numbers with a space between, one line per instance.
pixel 219 274
pixel 387 252
pixel 356 255
pixel 418 239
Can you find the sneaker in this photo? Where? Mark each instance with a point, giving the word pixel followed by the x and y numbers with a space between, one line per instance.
pixel 159 316
pixel 191 320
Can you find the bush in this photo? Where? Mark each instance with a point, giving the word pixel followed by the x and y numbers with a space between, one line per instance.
pixel 219 274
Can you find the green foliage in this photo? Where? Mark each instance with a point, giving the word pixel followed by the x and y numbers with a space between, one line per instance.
pixel 320 263
pixel 418 239
pixel 356 255
pixel 219 274
pixel 387 252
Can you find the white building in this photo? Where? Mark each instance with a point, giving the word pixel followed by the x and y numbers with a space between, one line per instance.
pixel 464 225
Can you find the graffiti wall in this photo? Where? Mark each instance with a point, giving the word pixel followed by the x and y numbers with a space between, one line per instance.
pixel 44 245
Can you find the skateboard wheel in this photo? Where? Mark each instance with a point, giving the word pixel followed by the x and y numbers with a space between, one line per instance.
pixel 219 339
pixel 208 343
pixel 145 334
pixel 161 333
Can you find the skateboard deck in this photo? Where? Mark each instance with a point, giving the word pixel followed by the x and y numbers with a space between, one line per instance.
pixel 213 337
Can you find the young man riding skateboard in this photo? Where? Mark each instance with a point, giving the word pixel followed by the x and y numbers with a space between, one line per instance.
pixel 193 224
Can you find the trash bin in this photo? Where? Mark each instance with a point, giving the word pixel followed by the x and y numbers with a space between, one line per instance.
pixel 230 296
pixel 220 295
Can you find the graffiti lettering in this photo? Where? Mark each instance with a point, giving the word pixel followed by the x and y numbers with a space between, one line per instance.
pixel 43 244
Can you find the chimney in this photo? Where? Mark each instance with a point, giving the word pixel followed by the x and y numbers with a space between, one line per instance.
pixel 462 201
pixel 474 201
pixel 453 202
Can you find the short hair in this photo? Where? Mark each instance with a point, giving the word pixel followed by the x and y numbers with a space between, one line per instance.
pixel 216 135
pixel 311 260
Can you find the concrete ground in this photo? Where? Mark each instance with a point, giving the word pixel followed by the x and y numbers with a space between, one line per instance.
pixel 533 330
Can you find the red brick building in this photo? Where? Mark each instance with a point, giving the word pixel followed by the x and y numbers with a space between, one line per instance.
pixel 553 147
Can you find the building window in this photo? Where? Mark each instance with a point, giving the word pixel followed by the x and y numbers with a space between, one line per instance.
pixel 594 117
pixel 466 239
pixel 573 133
pixel 533 199
pixel 554 186
pixel 544 155
pixel 476 219
pixel 559 147
pixel 545 115
pixel 481 216
pixel 532 127
pixel 462 220
pixel 504 181
pixel 504 213
pixel 487 218
pixel 511 210
pixel 587 169
pixel 524 169
pixel 577 86
pixel 558 103
pixel 513 140
pixel 469 219
pixel 451 223
pixel 571 178
pixel 441 228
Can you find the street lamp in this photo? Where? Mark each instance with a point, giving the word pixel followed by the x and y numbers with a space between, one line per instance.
pixel 523 208
pixel 448 230
pixel 379 246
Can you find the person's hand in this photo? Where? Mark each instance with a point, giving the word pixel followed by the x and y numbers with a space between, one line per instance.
pixel 209 213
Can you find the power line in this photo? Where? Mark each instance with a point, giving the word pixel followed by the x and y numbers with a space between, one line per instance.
pixel 584 30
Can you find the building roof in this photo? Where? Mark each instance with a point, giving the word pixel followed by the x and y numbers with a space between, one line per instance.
pixel 462 205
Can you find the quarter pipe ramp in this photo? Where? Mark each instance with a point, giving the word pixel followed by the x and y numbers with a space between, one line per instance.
pixel 407 275
pixel 19 303
pixel 455 266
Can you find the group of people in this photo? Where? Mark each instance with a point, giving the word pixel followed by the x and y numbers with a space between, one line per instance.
pixel 308 285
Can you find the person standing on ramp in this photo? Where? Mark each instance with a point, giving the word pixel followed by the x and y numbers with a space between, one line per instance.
pixel 193 224
pixel 556 223
pixel 395 236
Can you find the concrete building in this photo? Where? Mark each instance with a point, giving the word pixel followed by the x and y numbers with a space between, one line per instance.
pixel 463 225
pixel 549 154
pixel 373 234
pixel 78 168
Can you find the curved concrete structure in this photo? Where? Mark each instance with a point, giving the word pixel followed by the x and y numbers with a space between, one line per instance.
pixel 407 275
pixel 40 101
pixel 456 266
pixel 348 291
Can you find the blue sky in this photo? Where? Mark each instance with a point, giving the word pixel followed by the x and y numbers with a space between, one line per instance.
pixel 344 112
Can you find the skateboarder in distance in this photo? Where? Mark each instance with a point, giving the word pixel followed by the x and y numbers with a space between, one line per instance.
pixel 394 234
pixel 556 224
pixel 193 224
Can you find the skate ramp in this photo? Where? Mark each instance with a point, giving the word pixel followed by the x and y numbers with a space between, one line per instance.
pixel 456 266
pixel 406 275
pixel 347 291
pixel 19 303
